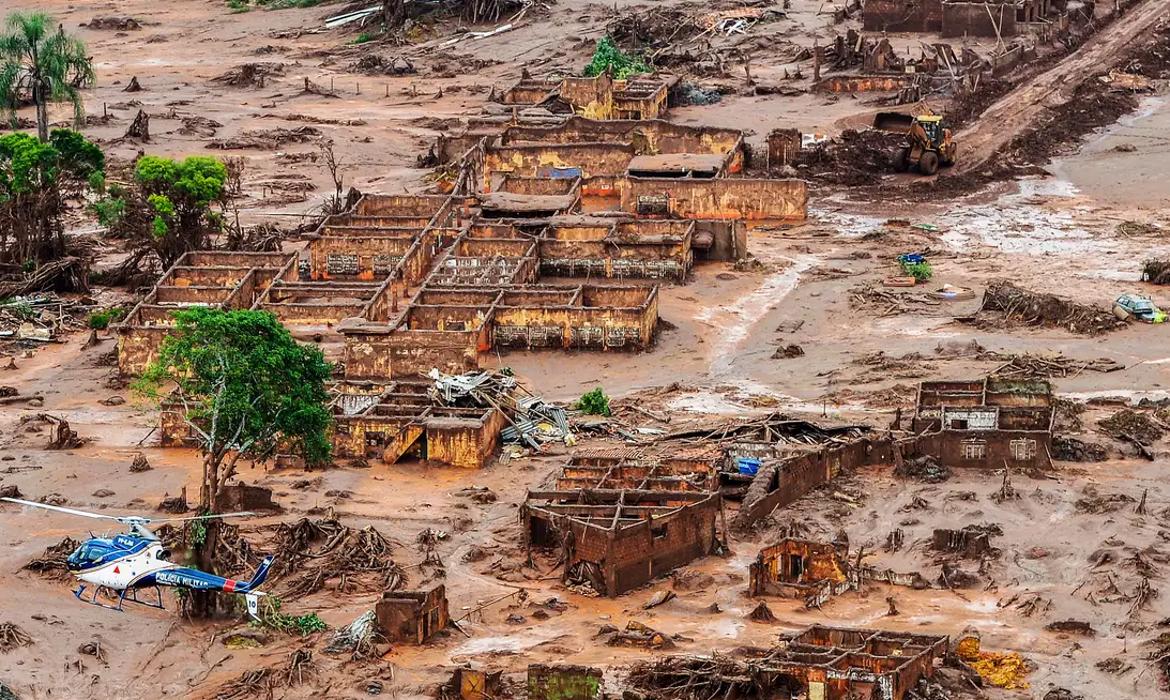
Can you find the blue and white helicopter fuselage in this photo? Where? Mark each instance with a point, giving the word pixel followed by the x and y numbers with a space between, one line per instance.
pixel 127 563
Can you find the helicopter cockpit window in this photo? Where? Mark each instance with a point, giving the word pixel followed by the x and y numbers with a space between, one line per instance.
pixel 84 554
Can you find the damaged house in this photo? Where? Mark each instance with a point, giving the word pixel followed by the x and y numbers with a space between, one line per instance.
pixel 616 539
pixel 599 97
pixel 826 663
pixel 814 572
pixel 1001 18
pixel 986 424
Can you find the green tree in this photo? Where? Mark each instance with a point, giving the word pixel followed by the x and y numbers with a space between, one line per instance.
pixel 42 65
pixel 36 177
pixel 168 208
pixel 245 387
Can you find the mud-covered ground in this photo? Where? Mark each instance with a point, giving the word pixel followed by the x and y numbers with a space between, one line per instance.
pixel 1070 233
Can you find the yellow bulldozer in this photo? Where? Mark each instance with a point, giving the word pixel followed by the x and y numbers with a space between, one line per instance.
pixel 929 144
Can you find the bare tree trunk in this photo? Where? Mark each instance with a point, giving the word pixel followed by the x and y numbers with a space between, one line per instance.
pixel 42 114
pixel 203 603
pixel 393 15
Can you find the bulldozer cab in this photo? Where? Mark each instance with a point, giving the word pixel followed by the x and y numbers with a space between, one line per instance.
pixel 933 128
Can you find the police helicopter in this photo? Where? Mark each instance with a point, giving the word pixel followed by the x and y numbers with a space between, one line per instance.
pixel 128 563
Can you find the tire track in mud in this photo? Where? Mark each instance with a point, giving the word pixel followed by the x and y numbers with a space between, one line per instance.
pixel 1013 113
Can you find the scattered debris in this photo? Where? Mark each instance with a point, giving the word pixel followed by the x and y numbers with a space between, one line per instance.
pixel 1019 305
pixel 51 563
pixel 925 469
pixel 250 74
pixel 636 634
pixel 12 637
pixel 266 139
pixel 139 464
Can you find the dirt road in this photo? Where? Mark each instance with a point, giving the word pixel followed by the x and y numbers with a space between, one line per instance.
pixel 1012 114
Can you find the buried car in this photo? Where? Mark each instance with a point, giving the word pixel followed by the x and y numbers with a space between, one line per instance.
pixel 1133 306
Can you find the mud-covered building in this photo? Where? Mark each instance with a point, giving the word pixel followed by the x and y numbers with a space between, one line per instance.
pixel 999 18
pixel 620 516
pixel 598 97
pixel 988 424
pixel 826 663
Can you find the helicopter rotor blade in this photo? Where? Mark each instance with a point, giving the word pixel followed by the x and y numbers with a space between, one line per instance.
pixel 212 516
pixel 60 509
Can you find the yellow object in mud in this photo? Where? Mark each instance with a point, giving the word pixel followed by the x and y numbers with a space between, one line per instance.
pixel 1002 670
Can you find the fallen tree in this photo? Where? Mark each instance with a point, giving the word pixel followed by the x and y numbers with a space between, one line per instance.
pixel 1023 306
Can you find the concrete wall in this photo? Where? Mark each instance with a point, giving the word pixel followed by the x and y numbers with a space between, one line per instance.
pixel 591 159
pixel 994 448
pixel 972 19
pixel 753 200
pixel 902 15
pixel 405 353
pixel 640 553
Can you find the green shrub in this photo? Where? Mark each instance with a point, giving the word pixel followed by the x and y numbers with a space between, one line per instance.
pixel 109 211
pixel 594 403
pixel 363 38
pixel 101 320
pixel 271 617
pixel 608 57
pixel 921 271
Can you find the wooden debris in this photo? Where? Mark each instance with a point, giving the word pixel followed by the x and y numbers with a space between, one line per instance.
pixel 12 637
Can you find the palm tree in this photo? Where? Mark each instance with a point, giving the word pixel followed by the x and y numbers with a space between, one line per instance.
pixel 46 66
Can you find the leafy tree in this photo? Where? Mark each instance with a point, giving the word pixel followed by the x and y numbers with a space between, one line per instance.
pixel 168 208
pixel 608 57
pixel 245 387
pixel 36 177
pixel 43 66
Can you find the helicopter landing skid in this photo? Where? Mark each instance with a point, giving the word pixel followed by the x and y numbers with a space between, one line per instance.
pixel 127 595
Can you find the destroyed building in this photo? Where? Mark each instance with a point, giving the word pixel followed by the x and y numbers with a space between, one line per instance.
pixel 988 424
pixel 390 421
pixel 598 97
pixel 227 280
pixel 814 572
pixel 1002 18
pixel 458 421
pixel 618 538
pixel 828 663
pixel 795 568
pixel 415 282
pixel 412 617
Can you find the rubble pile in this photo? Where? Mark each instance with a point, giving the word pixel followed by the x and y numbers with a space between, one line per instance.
pixel 531 420
pixel 1156 271
pixel 1043 366
pixel 1070 449
pixel 51 563
pixel 249 74
pixel 1023 306
pixel 310 555
pixel 315 552
pixel 1130 425
pixel 925 469
pixel 855 158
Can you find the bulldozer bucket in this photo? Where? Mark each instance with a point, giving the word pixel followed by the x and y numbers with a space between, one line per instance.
pixel 893 121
